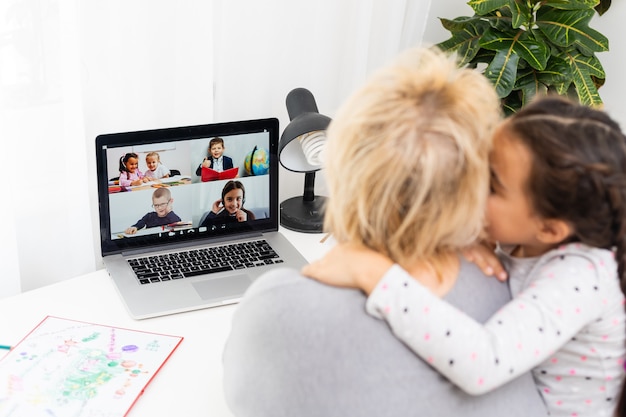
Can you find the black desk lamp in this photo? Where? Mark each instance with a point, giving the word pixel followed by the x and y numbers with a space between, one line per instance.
pixel 303 214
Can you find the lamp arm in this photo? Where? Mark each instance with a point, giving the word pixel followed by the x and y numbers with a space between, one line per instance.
pixel 309 186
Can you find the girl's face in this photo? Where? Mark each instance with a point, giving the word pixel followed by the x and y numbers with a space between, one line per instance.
pixel 132 164
pixel 152 162
pixel 233 200
pixel 510 216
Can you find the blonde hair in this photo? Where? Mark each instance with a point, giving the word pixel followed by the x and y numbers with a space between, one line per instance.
pixel 162 192
pixel 407 158
pixel 154 154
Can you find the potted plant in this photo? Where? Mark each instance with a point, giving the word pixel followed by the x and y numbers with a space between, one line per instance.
pixel 530 47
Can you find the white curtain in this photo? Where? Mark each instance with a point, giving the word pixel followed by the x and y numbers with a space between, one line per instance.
pixel 73 69
pixel 264 49
pixel 70 70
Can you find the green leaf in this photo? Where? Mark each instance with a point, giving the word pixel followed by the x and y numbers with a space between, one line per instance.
pixel 511 103
pixel 562 89
pixel 483 7
pixel 521 14
pixel 571 4
pixel 599 82
pixel 502 20
pixel 484 56
pixel 530 85
pixel 534 53
pixel 582 68
pixel 586 88
pixel 570 27
pixel 591 64
pixel 530 91
pixel 459 24
pixel 502 71
pixel 540 37
pixel 528 47
pixel 603 6
pixel 557 71
pixel 465 43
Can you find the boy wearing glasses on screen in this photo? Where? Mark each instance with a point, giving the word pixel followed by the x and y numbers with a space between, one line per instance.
pixel 162 215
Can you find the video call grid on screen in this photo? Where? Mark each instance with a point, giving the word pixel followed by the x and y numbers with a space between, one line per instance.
pixel 192 198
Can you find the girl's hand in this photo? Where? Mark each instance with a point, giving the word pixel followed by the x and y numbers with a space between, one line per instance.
pixel 216 206
pixel 349 265
pixel 483 255
pixel 241 216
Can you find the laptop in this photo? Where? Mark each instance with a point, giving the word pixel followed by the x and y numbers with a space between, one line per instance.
pixel 177 243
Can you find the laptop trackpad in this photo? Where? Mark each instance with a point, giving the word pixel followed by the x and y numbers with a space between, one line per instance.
pixel 227 287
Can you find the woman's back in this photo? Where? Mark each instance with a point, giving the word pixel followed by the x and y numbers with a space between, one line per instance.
pixel 298 347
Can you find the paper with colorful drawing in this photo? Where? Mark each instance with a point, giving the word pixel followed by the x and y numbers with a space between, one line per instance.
pixel 69 368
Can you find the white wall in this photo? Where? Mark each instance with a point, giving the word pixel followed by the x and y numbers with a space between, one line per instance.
pixel 85 67
pixel 146 64
pixel 613 92
pixel 73 69
pixel 70 70
pixel 264 49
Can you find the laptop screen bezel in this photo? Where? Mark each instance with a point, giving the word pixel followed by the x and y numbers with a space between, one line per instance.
pixel 111 246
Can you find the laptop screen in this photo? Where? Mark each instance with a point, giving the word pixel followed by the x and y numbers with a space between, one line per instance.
pixel 166 186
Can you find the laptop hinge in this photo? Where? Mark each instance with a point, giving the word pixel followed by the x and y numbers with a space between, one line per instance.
pixel 169 247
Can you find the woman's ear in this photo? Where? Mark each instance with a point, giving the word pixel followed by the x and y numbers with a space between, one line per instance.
pixel 553 231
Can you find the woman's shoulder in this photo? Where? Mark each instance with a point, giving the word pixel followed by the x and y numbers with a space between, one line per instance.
pixel 289 283
pixel 279 277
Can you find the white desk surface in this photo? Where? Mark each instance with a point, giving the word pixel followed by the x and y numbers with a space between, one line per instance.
pixel 190 383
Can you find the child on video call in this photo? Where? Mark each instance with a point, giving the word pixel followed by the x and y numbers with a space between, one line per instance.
pixel 130 175
pixel 216 159
pixel 162 215
pixel 229 209
pixel 557 206
pixel 156 169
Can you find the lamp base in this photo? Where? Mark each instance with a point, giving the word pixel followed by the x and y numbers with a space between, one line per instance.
pixel 303 216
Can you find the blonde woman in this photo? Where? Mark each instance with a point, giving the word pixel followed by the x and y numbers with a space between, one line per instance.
pixel 408 177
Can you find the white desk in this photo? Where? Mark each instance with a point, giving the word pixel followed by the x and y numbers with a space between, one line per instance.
pixel 190 383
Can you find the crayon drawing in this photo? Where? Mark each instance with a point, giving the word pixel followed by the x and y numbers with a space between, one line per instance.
pixel 67 368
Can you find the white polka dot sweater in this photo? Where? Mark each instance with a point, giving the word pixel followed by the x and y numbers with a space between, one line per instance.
pixel 566 323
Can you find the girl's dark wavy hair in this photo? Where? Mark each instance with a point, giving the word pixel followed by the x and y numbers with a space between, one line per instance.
pixel 578 174
pixel 233 185
pixel 124 159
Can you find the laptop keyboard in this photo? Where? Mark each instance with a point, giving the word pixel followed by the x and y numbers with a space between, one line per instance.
pixel 151 269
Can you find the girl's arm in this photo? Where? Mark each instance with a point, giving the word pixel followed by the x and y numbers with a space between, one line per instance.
pixel 124 180
pixel 524 333
pixel 142 178
pixel 349 265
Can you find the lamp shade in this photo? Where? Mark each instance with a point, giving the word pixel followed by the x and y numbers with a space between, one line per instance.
pixel 306 125
pixel 304 213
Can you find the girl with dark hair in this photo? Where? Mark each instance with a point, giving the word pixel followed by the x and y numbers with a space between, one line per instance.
pixel 229 209
pixel 130 174
pixel 557 208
